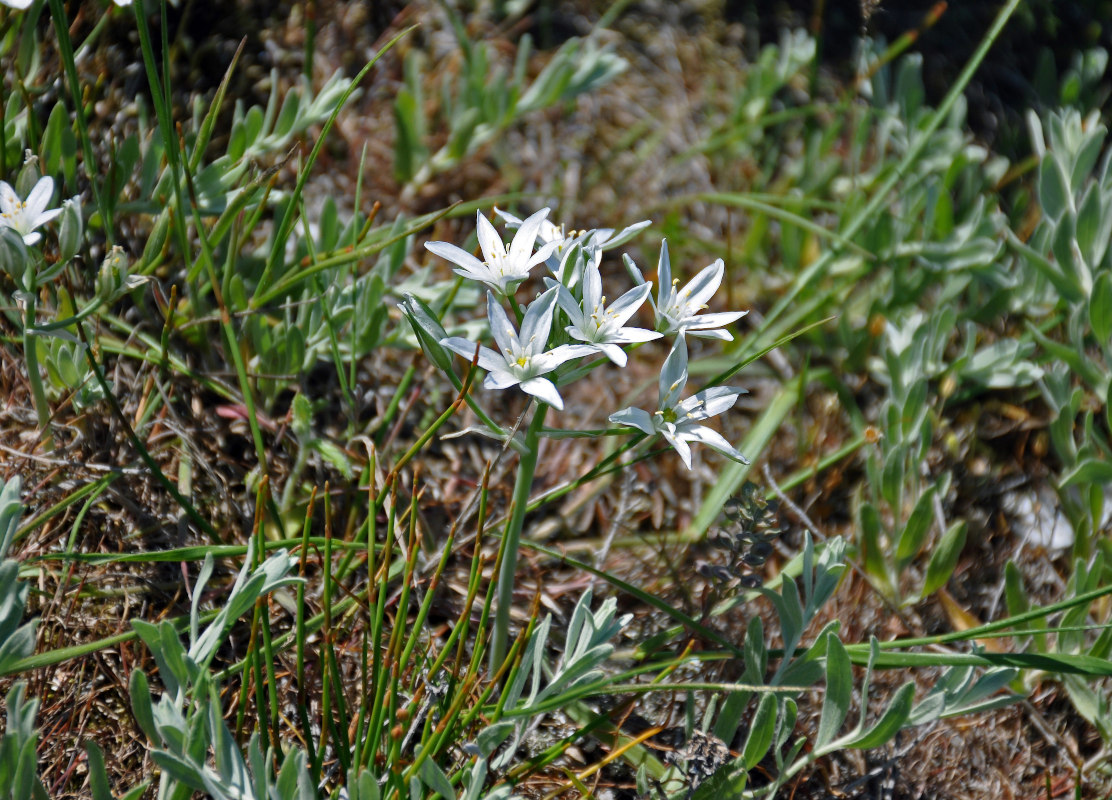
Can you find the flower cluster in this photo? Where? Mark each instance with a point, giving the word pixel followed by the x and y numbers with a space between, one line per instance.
pixel 531 354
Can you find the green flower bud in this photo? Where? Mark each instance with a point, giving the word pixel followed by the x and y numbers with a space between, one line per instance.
pixel 113 279
pixel 69 235
pixel 28 175
pixel 15 260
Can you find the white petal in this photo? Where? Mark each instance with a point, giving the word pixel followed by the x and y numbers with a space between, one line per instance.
pixel 624 235
pixel 616 354
pixel 716 320
pixel 624 307
pixel 681 447
pixel 543 389
pixel 673 376
pixel 44 217
pixel 631 336
pixel 592 288
pixel 510 220
pixel 634 418
pixel 501 378
pixel 713 439
pixel 457 255
pixel 489 240
pixel 528 262
pixel 568 304
pixel 702 287
pixel 526 237
pixel 9 200
pixel 707 404
pixel 722 335
pixel 633 270
pixel 501 327
pixel 537 322
pixel 488 359
pixel 663 277
pixel 39 198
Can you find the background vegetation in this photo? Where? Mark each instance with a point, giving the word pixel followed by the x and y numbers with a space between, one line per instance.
pixel 253 515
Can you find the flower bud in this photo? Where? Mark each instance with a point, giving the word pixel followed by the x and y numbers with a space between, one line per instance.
pixel 28 175
pixel 113 279
pixel 15 260
pixel 71 230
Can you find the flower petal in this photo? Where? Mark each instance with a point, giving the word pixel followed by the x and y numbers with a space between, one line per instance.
pixel 490 242
pixel 715 320
pixel 9 200
pixel 616 354
pixel 500 378
pixel 702 287
pixel 457 255
pixel 501 328
pixel 522 245
pixel 546 362
pixel 488 359
pixel 40 195
pixel 624 307
pixel 537 322
pixel 681 447
pixel 634 418
pixel 713 439
pixel 664 287
pixel 673 375
pixel 545 390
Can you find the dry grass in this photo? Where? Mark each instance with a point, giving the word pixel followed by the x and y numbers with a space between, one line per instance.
pixel 579 159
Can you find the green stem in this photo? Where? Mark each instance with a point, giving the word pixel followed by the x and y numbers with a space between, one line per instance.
pixel 31 356
pixel 65 48
pixel 524 482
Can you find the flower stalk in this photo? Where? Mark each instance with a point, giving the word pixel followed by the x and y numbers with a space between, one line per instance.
pixel 34 376
pixel 511 542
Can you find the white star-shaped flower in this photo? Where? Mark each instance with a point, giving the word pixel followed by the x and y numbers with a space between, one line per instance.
pixel 592 241
pixel 677 311
pixel 678 421
pixel 23 216
pixel 500 270
pixel 600 326
pixel 523 359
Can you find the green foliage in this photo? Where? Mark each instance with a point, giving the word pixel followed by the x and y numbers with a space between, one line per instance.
pixel 951 285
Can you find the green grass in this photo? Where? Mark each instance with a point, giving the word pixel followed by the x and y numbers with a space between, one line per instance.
pixel 246 481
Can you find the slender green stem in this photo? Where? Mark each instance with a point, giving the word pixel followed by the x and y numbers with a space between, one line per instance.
pixel 524 482
pixel 65 46
pixel 31 356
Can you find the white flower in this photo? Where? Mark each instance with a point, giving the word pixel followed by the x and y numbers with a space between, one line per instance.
pixel 523 358
pixel 18 5
pixel 602 327
pixel 593 241
pixel 24 216
pixel 678 420
pixel 500 270
pixel 677 312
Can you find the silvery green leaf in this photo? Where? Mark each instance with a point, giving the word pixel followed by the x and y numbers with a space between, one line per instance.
pixel 890 723
pixel 839 691
pixel 434 777
pixel 492 736
pixel 363 786
pixel 944 558
pixel 762 730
